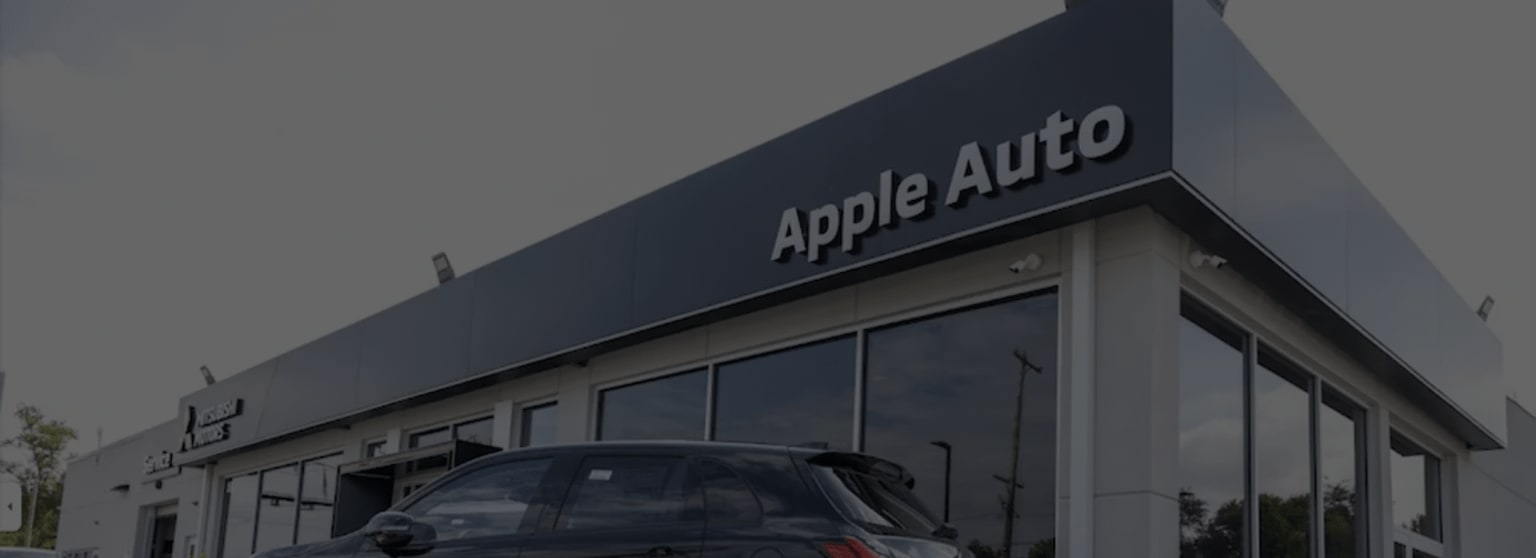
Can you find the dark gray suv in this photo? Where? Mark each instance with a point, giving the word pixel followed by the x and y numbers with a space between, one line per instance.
pixel 657 499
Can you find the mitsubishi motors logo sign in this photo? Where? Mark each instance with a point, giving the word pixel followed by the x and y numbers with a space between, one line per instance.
pixel 209 426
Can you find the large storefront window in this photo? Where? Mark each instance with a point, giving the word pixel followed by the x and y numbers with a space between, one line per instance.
pixel 277 512
pixel 1415 497
pixel 796 396
pixel 1246 413
pixel 947 388
pixel 1341 434
pixel 239 530
pixel 665 408
pixel 1211 474
pixel 1282 400
pixel 538 425
pixel 319 499
pixel 278 507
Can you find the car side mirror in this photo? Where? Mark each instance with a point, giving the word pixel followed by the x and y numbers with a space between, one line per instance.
pixel 398 534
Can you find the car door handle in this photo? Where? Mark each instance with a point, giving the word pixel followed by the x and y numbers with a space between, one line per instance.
pixel 660 552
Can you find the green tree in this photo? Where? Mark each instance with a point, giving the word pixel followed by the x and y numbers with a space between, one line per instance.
pixel 40 472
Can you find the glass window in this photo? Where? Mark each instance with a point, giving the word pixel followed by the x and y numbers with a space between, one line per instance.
pixel 319 497
pixel 795 396
pixel 477 431
pixel 877 504
pixel 664 408
pixel 430 437
pixel 485 502
pixel 239 530
pixel 1339 437
pixel 1283 459
pixel 1415 488
pixel 538 425
pixel 956 378
pixel 1212 467
pixel 277 516
pixel 728 498
pixel 374 449
pixel 619 492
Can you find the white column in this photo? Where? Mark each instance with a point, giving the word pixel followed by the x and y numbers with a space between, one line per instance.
pixel 1080 379
pixel 1135 423
pixel 393 441
pixel 502 424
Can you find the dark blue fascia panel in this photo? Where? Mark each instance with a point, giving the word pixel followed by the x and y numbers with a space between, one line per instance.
pixel 1248 151
pixel 701 246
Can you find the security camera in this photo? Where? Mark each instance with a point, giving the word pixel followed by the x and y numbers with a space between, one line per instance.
pixel 1029 263
pixel 1202 259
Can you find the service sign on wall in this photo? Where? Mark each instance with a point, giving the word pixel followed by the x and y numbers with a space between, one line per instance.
pixel 209 426
pixel 159 462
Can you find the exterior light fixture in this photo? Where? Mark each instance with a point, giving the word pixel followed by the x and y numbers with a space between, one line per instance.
pixel 1198 258
pixel 444 269
pixel 1485 308
pixel 1031 262
pixel 207 375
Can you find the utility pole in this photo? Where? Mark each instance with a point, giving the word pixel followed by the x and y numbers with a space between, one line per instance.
pixel 1025 366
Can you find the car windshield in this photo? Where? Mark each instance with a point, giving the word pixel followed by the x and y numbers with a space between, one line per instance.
pixel 876 503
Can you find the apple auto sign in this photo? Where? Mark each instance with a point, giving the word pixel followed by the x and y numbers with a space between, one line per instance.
pixel 1060 145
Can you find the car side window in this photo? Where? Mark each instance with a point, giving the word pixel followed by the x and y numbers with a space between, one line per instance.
pixel 489 501
pixel 615 492
pixel 727 497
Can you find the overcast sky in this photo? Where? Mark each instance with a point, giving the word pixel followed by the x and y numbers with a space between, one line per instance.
pixel 191 183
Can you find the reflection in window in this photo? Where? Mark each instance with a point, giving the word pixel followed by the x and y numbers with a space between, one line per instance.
pixel 954 378
pixel 538 425
pixel 239 530
pixel 1415 488
pixel 1211 462
pixel 430 437
pixel 664 408
pixel 374 449
pixel 319 496
pixel 277 514
pixel 791 397
pixel 1282 463
pixel 619 492
pixel 478 431
pixel 729 499
pixel 1339 436
pixel 486 502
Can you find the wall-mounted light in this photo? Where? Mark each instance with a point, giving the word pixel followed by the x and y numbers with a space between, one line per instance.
pixel 1031 262
pixel 1486 308
pixel 1198 258
pixel 207 375
pixel 443 267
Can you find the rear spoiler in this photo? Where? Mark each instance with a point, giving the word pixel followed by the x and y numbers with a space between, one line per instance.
pixel 866 464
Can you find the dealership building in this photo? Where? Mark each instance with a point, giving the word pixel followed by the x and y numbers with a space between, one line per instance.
pixel 1132 250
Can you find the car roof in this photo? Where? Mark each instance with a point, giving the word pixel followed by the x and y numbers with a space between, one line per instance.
pixel 685 445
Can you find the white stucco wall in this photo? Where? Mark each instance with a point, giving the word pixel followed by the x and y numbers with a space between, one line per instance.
pixel 94 516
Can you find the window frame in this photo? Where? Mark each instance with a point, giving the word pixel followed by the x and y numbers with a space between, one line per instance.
pixel 860 330
pixel 1435 495
pixel 222 482
pixel 1258 349
pixel 521 424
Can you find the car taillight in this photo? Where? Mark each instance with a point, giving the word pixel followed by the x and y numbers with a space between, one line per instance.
pixel 847 548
